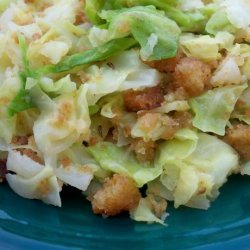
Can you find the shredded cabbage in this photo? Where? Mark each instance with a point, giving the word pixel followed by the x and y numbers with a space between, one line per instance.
pixel 76 167
pixel 76 105
pixel 8 90
pixel 120 160
pixel 32 180
pixel 145 23
pixel 195 165
pixel 203 47
pixel 127 72
pixel 227 73
pixel 144 213
pixel 214 108
pixel 242 108
pixel 64 122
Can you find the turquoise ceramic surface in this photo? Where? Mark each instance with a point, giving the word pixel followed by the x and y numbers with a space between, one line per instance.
pixel 28 224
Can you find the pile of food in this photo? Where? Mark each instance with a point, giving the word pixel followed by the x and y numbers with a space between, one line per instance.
pixel 134 102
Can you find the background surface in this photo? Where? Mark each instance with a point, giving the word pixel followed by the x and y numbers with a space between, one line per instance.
pixel 29 224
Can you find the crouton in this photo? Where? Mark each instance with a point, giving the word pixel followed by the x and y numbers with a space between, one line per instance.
pixel 144 150
pixel 184 119
pixel 118 194
pixel 166 65
pixel 193 75
pixel 239 138
pixel 147 99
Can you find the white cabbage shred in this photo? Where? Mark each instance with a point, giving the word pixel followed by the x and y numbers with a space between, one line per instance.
pixel 74 110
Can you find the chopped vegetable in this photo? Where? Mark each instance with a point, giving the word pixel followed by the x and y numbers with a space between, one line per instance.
pixel 133 102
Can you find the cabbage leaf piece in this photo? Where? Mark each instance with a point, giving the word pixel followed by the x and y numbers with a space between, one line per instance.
pixel 59 11
pixel 8 90
pixel 191 16
pixel 37 181
pixel 118 4
pixel 195 165
pixel 242 108
pixel 203 47
pixel 120 160
pixel 219 22
pixel 76 167
pixel 157 34
pixel 206 47
pixel 62 86
pixel 227 73
pixel 144 213
pixel 230 16
pixel 213 109
pixel 4 5
pixel 127 72
pixel 238 13
pixel 22 100
pixel 93 55
pixel 63 121
pixel 92 7
pixel 32 180
pixel 191 20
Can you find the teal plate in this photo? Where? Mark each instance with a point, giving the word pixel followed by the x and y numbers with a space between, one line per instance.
pixel 28 224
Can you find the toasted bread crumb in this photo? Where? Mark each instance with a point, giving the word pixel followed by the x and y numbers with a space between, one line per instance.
pixel 239 138
pixel 158 205
pixel 166 65
pixel 119 194
pixel 24 140
pixel 193 75
pixel 144 150
pixel 143 100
